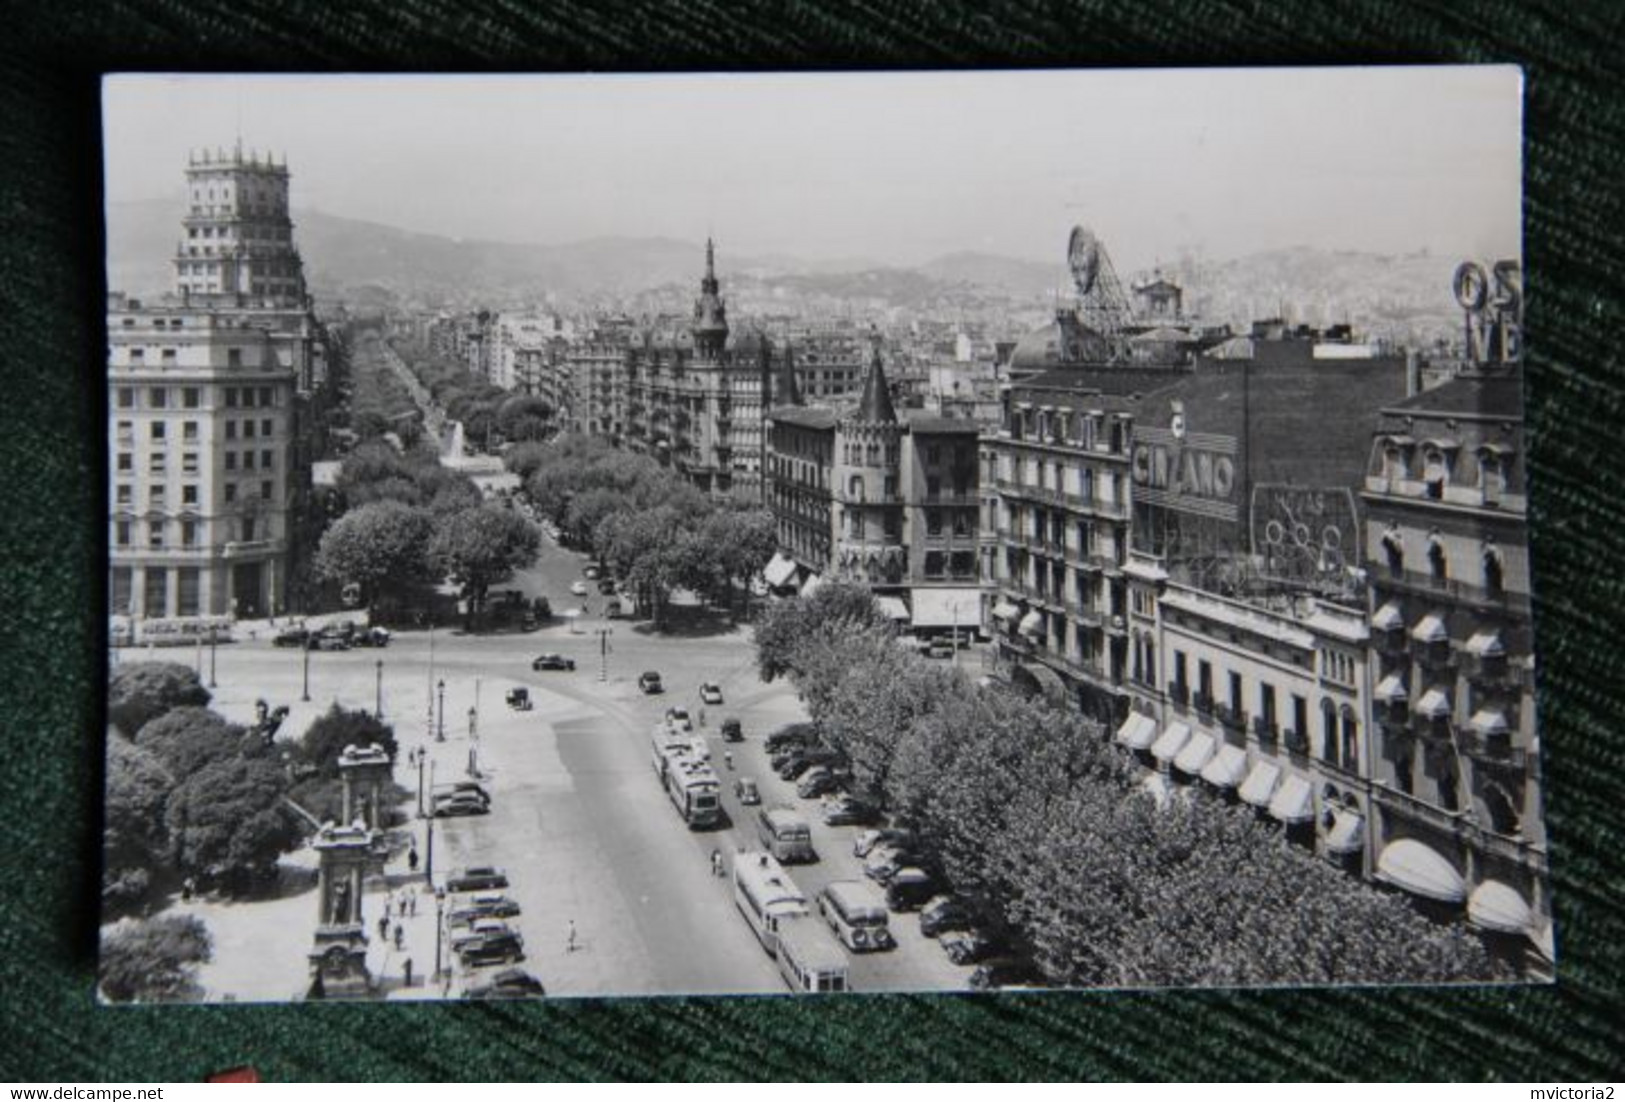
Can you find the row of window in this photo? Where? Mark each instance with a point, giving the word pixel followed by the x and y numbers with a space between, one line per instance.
pixel 1491 564
pixel 1438 466
pixel 158 494
pixel 158 431
pixel 155 590
pixel 158 462
pixel 1063 427
pixel 191 397
pixel 157 532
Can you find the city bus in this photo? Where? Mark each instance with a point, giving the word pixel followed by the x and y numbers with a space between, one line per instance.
pixel 663 740
pixel 809 960
pixel 785 834
pixel 765 895
pixel 856 915
pixel 694 789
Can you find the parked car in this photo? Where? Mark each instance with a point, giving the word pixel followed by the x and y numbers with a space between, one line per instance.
pixel 649 682
pixel 329 639
pixel 510 983
pixel 458 804
pixel 970 946
pixel 711 693
pixel 553 662
pixel 802 760
pixel 578 587
pixel 845 809
pixel 479 928
pixel 1006 972
pixel 745 788
pixel 797 736
pixel 943 914
pixel 868 840
pixel 370 637
pixel 733 730
pixel 519 699
pixel 493 949
pixel 483 906
pixel 470 788
pixel 886 862
pixel 291 637
pixel 820 781
pixel 679 720
pixel 477 878
pixel 909 889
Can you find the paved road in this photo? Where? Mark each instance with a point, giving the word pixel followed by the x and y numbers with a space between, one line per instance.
pixel 579 820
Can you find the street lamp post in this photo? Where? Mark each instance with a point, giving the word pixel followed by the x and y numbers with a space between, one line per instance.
pixel 603 652
pixel 440 722
pixel 305 696
pixel 428 849
pixel 378 691
pixel 213 633
pixel 421 755
pixel 439 927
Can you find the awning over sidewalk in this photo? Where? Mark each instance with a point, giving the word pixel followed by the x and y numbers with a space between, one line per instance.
pixel 810 586
pixel 1171 741
pixel 1433 705
pixel 1004 610
pixel 1032 623
pixel 1421 870
pixel 1390 689
pixel 1260 784
pixel 1195 755
pixel 1490 722
pixel 779 570
pixel 1347 834
pixel 1293 802
pixel 1486 644
pixel 1138 731
pixel 892 608
pixel 1388 617
pixel 1430 629
pixel 944 608
pixel 1227 768
pixel 1500 907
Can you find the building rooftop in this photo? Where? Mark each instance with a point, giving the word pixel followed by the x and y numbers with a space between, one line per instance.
pixel 1499 395
pixel 809 417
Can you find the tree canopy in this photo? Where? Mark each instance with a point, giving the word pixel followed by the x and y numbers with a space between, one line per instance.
pixel 134 840
pixel 325 739
pixel 228 822
pixel 383 546
pixel 155 960
pixel 481 547
pixel 138 692
pixel 186 739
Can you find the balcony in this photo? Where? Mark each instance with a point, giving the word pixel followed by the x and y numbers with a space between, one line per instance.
pixel 1179 694
pixel 1435 656
pixel 1266 730
pixel 1203 703
pixel 1295 741
pixel 1087 615
pixel 1475 596
pixel 1391 644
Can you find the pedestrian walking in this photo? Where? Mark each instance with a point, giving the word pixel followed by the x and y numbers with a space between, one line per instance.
pixel 188 889
pixel 406 970
pixel 716 862
pixel 383 927
pixel 412 859
pixel 728 759
pixel 389 900
pixel 570 944
pixel 400 935
pixel 413 899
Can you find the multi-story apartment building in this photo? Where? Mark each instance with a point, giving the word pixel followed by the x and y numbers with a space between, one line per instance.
pixel 203 393
pixel 1457 790
pixel 862 493
pixel 1061 472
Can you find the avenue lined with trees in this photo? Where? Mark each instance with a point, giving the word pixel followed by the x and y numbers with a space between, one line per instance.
pixel 1044 824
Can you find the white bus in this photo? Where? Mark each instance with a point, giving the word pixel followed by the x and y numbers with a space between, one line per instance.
pixel 856 914
pixel 809 960
pixel 785 834
pixel 694 789
pixel 662 740
pixel 765 895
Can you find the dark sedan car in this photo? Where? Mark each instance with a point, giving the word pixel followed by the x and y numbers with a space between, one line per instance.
pixel 649 682
pixel 970 946
pixel 479 878
pixel 510 983
pixel 944 914
pixel 909 889
pixel 553 662
pixel 459 804
pixel 291 637
pixel 496 948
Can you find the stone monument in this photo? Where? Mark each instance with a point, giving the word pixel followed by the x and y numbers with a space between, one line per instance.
pixel 363 773
pixel 338 959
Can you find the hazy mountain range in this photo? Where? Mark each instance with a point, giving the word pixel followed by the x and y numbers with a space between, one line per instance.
pixel 1387 295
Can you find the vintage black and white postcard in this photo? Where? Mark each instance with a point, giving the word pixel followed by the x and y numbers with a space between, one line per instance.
pixel 581 536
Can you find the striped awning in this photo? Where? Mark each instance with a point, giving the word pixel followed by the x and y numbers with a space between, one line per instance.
pixel 1430 629
pixel 1293 802
pixel 1433 705
pixel 1196 754
pixel 1260 784
pixel 1421 870
pixel 1171 741
pixel 1227 768
pixel 1500 907
pixel 1347 834
pixel 1138 731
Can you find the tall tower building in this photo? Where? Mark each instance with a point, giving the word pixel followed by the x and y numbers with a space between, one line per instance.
pixel 204 388
pixel 239 238
pixel 710 314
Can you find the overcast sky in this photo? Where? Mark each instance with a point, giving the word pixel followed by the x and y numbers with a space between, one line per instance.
pixel 893 167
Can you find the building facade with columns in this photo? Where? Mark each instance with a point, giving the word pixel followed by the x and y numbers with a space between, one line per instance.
pixel 204 389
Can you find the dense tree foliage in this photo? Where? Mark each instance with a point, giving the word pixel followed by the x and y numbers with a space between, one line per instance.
pixel 325 739
pixel 186 739
pixel 481 547
pixel 228 822
pixel 154 960
pixel 1035 816
pixel 134 841
pixel 141 691
pixel 383 546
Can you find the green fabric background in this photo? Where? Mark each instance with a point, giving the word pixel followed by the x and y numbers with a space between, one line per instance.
pixel 51 577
